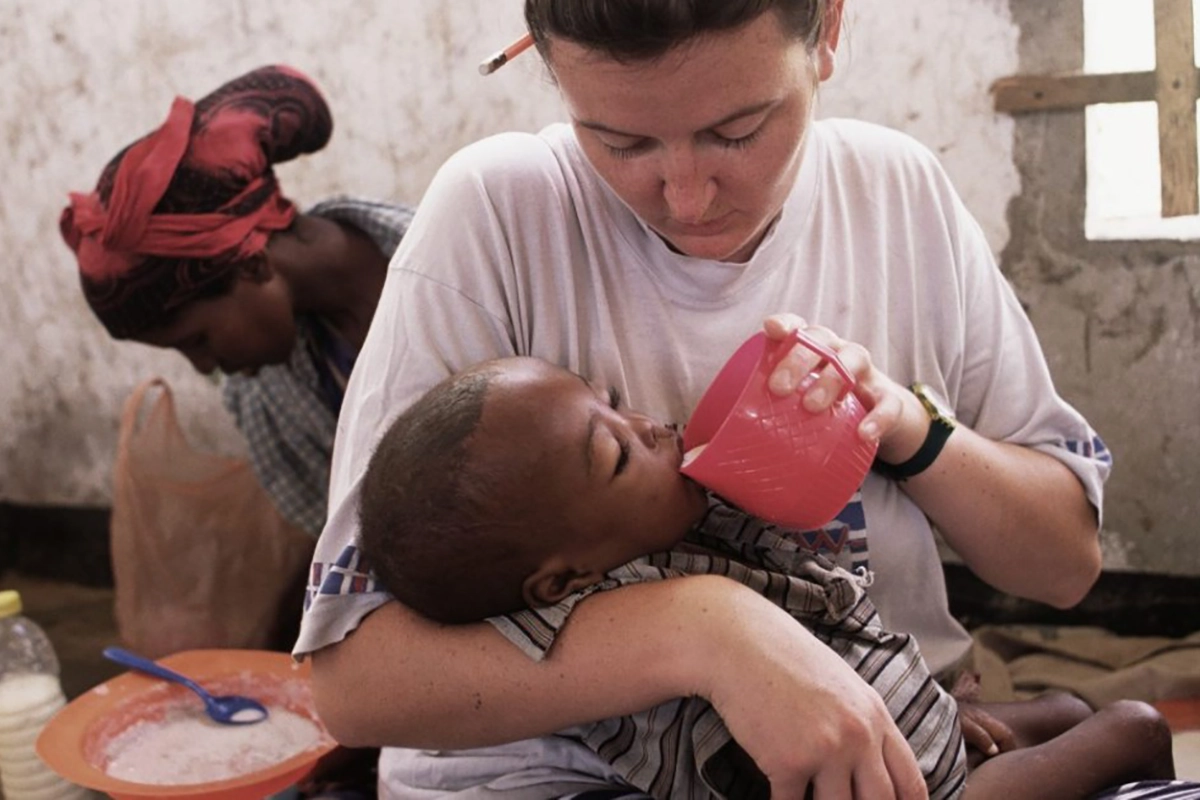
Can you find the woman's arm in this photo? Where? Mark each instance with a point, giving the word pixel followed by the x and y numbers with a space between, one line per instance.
pixel 797 708
pixel 1019 518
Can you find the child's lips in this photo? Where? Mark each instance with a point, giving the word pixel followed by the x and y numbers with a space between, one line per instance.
pixel 692 455
pixel 684 457
pixel 677 438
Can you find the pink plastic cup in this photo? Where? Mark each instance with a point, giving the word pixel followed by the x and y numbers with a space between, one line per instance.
pixel 770 456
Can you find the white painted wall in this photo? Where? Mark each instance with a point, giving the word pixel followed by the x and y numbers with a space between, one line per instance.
pixel 925 68
pixel 81 78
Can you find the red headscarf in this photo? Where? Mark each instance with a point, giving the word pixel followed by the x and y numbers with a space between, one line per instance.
pixel 175 212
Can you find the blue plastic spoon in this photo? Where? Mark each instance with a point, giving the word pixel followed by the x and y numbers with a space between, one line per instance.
pixel 227 709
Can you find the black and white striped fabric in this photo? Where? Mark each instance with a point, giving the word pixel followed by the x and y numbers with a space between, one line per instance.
pixel 1153 790
pixel 681 749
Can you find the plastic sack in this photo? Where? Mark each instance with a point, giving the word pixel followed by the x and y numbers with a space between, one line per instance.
pixel 200 556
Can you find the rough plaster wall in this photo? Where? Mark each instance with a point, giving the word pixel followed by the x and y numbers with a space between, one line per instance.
pixel 1119 321
pixel 81 79
pixel 924 68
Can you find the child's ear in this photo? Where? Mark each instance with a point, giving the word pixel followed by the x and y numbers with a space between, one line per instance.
pixel 256 268
pixel 553 580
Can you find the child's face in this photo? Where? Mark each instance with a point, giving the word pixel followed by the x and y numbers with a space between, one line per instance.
pixel 611 473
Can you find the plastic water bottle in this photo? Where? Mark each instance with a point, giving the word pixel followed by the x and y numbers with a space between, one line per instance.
pixel 30 694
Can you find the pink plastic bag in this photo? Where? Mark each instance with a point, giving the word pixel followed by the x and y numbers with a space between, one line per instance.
pixel 201 558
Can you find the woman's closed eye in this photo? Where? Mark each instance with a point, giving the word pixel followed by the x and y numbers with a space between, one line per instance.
pixel 737 142
pixel 740 133
pixel 642 146
pixel 622 458
pixel 626 150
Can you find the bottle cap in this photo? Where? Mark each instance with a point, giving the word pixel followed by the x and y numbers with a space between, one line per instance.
pixel 10 603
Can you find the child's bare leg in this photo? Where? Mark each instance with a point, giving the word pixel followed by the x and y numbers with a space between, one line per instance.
pixel 1030 721
pixel 1122 742
pixel 1042 718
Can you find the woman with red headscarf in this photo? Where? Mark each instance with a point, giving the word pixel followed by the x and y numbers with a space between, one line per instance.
pixel 187 242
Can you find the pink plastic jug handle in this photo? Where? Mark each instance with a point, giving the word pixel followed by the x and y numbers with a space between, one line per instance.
pixel 800 337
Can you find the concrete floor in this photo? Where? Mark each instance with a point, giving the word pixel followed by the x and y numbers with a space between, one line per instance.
pixel 79 621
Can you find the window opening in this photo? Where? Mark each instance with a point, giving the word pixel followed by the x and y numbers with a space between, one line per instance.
pixel 1139 89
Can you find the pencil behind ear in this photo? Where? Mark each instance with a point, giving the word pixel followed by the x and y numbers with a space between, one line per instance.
pixel 553 580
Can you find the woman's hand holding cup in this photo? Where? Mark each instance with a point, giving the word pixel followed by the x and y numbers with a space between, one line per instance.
pixel 894 417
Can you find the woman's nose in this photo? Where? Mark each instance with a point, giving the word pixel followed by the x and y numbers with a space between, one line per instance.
pixel 688 189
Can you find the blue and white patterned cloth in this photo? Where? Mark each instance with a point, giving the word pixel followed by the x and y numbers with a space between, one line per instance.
pixel 286 411
pixel 680 748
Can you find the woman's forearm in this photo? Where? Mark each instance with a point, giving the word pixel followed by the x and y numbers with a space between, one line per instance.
pixel 1019 518
pixel 400 680
pixel 801 713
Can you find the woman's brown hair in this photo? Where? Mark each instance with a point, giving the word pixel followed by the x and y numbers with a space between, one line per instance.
pixel 634 30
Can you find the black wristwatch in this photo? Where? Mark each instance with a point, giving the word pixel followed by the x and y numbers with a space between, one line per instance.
pixel 941 425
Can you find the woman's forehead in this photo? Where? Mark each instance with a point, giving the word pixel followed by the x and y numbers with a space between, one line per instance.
pixel 695 86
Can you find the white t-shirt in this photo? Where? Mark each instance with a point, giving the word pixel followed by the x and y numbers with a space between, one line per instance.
pixel 520 248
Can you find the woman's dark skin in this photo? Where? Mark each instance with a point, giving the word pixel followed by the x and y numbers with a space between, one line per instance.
pixel 317 266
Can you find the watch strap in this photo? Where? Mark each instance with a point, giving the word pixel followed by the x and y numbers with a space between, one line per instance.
pixel 940 429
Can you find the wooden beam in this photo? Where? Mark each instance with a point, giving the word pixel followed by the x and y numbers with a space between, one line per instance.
pixel 1176 94
pixel 1028 93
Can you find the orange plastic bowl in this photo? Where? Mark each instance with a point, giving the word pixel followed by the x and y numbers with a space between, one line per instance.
pixel 75 741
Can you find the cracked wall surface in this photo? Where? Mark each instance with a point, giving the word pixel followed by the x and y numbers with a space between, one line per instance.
pixel 81 79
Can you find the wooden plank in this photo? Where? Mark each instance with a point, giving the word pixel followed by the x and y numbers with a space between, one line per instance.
pixel 1026 93
pixel 1174 85
pixel 1176 94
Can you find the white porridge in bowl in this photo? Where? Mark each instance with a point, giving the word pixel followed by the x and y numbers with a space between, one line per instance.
pixel 186 746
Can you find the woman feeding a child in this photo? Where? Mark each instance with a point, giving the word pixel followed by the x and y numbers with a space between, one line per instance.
pixel 692 200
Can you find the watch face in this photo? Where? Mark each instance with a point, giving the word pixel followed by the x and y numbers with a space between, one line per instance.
pixel 933 403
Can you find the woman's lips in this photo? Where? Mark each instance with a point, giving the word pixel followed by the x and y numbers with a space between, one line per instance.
pixel 708 228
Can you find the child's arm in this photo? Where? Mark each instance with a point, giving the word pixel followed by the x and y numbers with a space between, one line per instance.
pixel 984 734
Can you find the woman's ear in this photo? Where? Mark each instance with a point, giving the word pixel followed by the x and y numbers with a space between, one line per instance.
pixel 831 35
pixel 555 579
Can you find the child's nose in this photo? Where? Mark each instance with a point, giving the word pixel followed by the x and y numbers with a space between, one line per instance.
pixel 651 432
